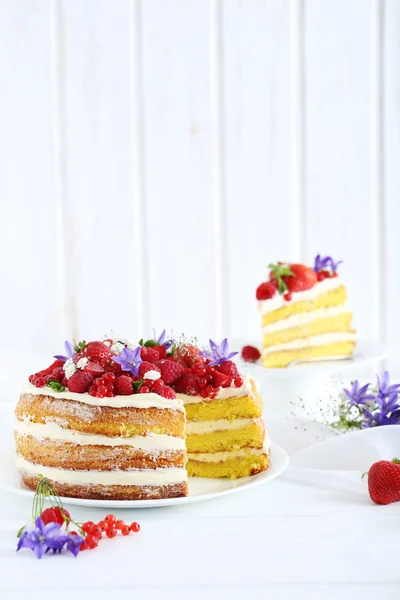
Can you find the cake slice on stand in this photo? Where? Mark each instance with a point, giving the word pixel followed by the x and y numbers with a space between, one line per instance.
pixel 304 313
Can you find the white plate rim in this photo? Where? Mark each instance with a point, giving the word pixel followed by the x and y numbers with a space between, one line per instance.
pixel 279 463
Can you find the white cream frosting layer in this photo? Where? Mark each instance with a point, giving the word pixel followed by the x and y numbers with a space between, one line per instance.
pixel 223 456
pixel 118 477
pixel 54 432
pixel 222 394
pixel 133 401
pixel 316 340
pixel 200 427
pixel 278 301
pixel 305 317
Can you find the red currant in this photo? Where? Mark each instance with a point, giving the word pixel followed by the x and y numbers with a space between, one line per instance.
pixel 92 391
pixel 83 546
pixel 96 531
pixel 209 389
pixel 125 530
pixel 119 524
pixel 39 381
pixel 91 541
pixel 109 377
pixel 287 296
pixel 102 525
pixel 202 382
pixel 203 393
pixel 135 527
pixel 238 381
pixel 111 532
pixel 144 389
pixel 87 527
pixel 102 390
pixel 110 519
pixel 109 394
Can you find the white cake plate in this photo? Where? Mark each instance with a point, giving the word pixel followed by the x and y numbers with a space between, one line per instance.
pixel 200 489
pixel 294 390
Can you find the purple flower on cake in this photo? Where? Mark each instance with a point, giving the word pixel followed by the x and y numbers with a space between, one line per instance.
pixel 129 360
pixel 161 341
pixel 384 389
pixel 322 263
pixel 69 348
pixel 42 538
pixel 218 354
pixel 358 395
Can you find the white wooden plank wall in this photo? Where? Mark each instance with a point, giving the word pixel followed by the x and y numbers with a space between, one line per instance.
pixel 155 155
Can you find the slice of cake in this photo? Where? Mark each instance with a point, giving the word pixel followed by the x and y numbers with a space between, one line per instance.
pixel 226 435
pixel 100 423
pixel 304 313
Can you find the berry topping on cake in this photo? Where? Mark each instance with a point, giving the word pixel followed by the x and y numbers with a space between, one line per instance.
pixel 250 353
pixel 220 379
pixel 228 368
pixel 166 392
pixel 266 290
pixel 97 352
pixel 302 278
pixel 188 384
pixel 170 370
pixel 146 367
pixel 123 386
pixel 326 264
pixel 149 354
pixel 80 382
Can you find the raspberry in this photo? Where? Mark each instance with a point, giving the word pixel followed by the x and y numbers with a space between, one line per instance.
pixel 80 382
pixel 97 352
pixel 166 392
pixel 170 371
pixel 250 353
pixel 228 368
pixel 149 354
pixel 147 366
pixel 39 381
pixel 58 374
pixel 123 386
pixel 188 384
pixel 266 290
pixel 221 380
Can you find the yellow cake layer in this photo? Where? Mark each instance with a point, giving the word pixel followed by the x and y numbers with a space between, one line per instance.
pixel 333 298
pixel 237 407
pixel 251 435
pixel 232 468
pixel 284 358
pixel 341 322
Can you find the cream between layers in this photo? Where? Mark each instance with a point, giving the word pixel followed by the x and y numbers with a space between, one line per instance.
pixel 304 318
pixel 316 340
pixel 52 431
pixel 222 394
pixel 222 456
pixel 118 477
pixel 134 401
pixel 200 427
pixel 278 301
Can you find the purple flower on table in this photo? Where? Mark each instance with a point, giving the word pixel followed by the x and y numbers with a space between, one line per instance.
pixel 357 394
pixel 322 263
pixel 73 544
pixel 69 348
pixel 129 360
pixel 161 341
pixel 376 419
pixel 384 389
pixel 42 538
pixel 218 353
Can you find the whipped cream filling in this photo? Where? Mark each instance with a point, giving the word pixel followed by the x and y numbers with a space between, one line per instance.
pixel 117 477
pixel 223 393
pixel 54 432
pixel 201 427
pixel 305 317
pixel 223 456
pixel 278 301
pixel 133 401
pixel 309 342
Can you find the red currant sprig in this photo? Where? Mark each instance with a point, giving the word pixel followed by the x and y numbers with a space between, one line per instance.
pixel 108 527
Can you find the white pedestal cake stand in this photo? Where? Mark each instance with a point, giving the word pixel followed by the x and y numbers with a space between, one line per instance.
pixel 299 389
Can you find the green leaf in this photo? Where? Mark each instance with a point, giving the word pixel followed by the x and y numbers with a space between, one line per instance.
pixel 79 346
pixel 141 342
pixel 150 344
pixel 19 532
pixel 280 271
pixel 137 385
pixel 55 385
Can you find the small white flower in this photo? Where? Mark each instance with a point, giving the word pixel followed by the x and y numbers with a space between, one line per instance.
pixel 152 375
pixel 69 368
pixel 82 362
pixel 116 348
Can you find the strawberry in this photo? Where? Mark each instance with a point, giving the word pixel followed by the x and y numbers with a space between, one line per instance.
pixel 97 352
pixel 147 366
pixel 384 481
pixel 221 380
pixel 162 351
pixel 170 371
pixel 149 354
pixel 80 382
pixel 187 354
pixel 303 278
pixel 228 368
pixel 57 363
pixel 93 368
pixel 188 384
pixel 266 290
pixel 166 392
pixel 250 353
pixel 54 515
pixel 123 386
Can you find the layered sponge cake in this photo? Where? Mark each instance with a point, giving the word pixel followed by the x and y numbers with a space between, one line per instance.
pixel 226 434
pixel 304 314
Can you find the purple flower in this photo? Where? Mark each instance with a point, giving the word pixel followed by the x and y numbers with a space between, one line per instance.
pixel 322 263
pixel 69 348
pixel 358 395
pixel 218 354
pixel 42 538
pixel 73 544
pixel 161 341
pixel 129 360
pixel 384 389
pixel 380 418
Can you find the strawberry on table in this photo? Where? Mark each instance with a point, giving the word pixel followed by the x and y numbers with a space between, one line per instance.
pixel 384 481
